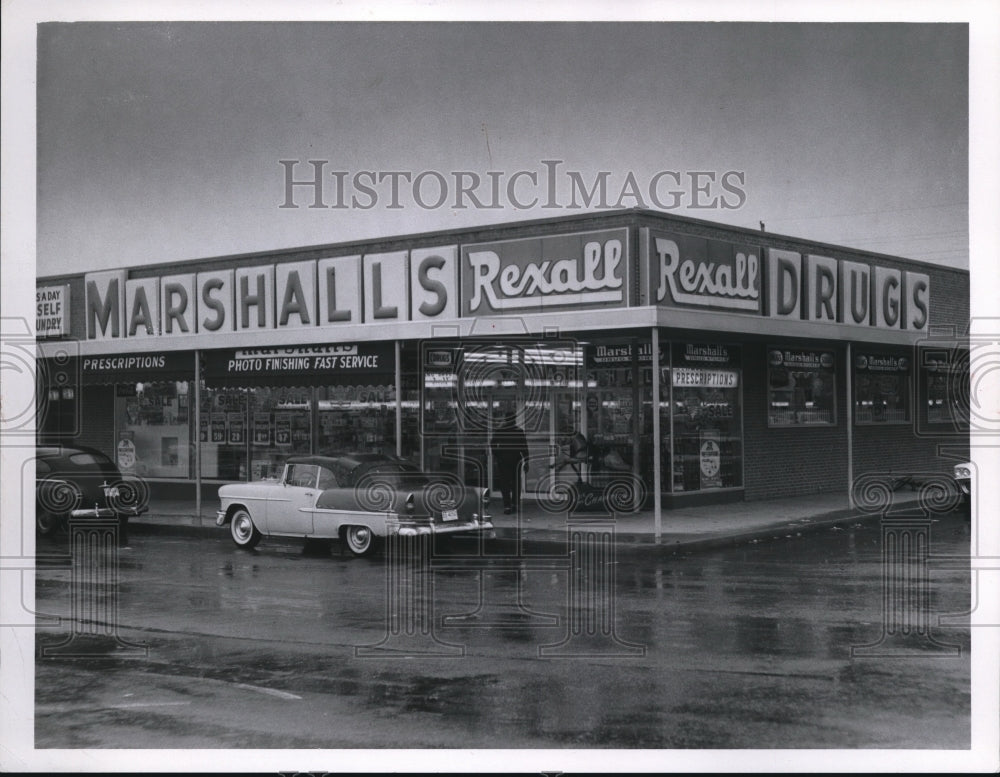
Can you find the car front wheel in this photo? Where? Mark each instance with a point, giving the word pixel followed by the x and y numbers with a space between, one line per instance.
pixel 243 531
pixel 360 540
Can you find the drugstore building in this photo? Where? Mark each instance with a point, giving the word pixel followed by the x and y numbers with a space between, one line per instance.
pixel 782 366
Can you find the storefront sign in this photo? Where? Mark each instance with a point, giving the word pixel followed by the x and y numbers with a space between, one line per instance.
pixel 688 271
pixel 704 353
pixel 870 362
pixel 818 288
pixel 545 273
pixel 305 366
pixel 685 376
pixel 52 311
pixel 810 360
pixel 294 295
pixel 697 272
pixel 610 354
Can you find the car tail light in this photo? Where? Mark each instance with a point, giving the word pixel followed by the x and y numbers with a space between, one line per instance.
pixel 963 472
pixel 486 497
pixel 409 503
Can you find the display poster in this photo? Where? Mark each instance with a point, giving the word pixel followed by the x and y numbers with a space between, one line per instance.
pixel 126 452
pixel 219 428
pixel 283 430
pixel 237 429
pixel 710 460
pixel 203 427
pixel 261 428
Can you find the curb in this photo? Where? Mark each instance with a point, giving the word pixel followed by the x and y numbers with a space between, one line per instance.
pixel 555 541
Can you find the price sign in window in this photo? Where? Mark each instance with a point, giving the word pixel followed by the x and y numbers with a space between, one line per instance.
pixel 801 387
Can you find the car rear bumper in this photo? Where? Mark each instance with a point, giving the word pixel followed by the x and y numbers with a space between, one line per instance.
pixel 475 525
pixel 102 512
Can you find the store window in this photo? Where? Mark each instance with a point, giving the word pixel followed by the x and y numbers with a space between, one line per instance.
pixel 881 388
pixel 154 429
pixel 706 427
pixel 281 419
pixel 801 387
pixel 357 418
pixel 222 432
pixel 944 387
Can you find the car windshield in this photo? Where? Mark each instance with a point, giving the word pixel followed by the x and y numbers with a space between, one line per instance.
pixel 88 460
pixel 394 473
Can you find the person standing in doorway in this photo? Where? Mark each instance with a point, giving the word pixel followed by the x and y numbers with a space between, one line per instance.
pixel 510 454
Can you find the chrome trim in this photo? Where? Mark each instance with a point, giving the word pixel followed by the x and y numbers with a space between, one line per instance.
pixel 93 512
pixel 451 528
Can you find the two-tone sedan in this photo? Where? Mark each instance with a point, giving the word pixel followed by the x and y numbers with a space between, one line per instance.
pixel 357 498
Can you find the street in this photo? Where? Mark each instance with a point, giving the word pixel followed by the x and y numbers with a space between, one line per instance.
pixel 293 647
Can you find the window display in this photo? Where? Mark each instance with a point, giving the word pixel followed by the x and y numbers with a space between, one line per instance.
pixel 801 387
pixel 154 428
pixel 707 422
pixel 223 449
pixel 881 388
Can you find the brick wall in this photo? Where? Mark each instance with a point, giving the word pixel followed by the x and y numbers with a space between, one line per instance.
pixel 789 461
pixel 97 418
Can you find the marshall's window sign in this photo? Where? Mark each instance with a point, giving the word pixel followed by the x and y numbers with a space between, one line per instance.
pixel 881 388
pixel 580 270
pixel 801 387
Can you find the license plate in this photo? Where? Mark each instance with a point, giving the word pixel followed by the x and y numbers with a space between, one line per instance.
pixel 449 515
pixel 111 492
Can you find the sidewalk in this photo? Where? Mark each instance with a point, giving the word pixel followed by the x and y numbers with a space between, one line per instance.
pixel 682 529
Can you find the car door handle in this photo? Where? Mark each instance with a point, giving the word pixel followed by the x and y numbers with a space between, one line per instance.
pixel 308 493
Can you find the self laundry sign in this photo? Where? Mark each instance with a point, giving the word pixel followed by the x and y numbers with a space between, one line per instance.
pixel 580 270
pixel 52 311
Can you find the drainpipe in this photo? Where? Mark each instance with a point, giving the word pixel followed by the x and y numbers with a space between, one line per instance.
pixel 197 434
pixel 657 499
pixel 399 401
pixel 849 377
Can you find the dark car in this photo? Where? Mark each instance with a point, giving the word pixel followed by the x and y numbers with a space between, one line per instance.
pixel 79 483
pixel 359 498
pixel 964 481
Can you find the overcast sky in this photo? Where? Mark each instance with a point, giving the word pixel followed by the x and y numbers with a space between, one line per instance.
pixel 160 142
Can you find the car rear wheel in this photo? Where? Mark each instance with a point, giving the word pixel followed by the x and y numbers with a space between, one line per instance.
pixel 360 540
pixel 243 531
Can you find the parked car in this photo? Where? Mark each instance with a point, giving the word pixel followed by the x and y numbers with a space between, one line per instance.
pixel 79 482
pixel 963 479
pixel 357 498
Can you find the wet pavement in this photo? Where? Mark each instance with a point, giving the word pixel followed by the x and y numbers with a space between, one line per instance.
pixel 293 647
